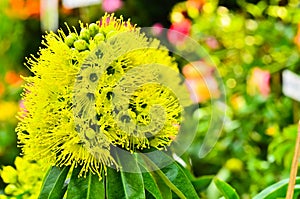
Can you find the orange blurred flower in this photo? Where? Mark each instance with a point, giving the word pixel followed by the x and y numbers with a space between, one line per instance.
pixel 2 89
pixel 13 78
pixel 66 11
pixel 259 82
pixel 197 69
pixel 200 81
pixel 297 37
pixel 24 8
pixel 195 3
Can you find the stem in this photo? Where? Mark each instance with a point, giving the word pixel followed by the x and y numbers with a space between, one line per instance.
pixel 294 168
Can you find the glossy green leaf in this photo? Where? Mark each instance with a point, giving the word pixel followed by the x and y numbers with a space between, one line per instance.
pixel 85 188
pixel 227 191
pixel 127 183
pixel 114 185
pixel 172 175
pixel 202 183
pixel 149 195
pixel 164 189
pixel 175 174
pixel 133 180
pixel 133 185
pixel 53 185
pixel 151 185
pixel 278 189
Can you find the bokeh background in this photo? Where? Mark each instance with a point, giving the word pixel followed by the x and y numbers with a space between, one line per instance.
pixel 251 43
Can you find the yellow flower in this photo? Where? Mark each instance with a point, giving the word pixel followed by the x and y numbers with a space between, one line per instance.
pixel 25 180
pixel 8 111
pixel 272 130
pixel 95 90
pixel 9 174
pixel 234 165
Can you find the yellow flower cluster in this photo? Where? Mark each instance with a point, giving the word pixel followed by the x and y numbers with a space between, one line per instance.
pixel 24 181
pixel 94 90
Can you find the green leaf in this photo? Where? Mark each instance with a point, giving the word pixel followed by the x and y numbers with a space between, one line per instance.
pixel 114 185
pixel 227 191
pixel 54 180
pixel 278 189
pixel 164 190
pixel 172 175
pixel 202 182
pixel 151 185
pixel 85 188
pixel 133 180
pixel 133 185
pixel 128 183
pixel 175 174
pixel 153 182
pixel 149 195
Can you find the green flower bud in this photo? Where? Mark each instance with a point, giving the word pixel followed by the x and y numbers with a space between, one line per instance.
pixel 69 40
pixel 85 53
pixel 81 45
pixel 94 29
pixel 99 37
pixel 85 34
pixel 10 189
pixel 111 33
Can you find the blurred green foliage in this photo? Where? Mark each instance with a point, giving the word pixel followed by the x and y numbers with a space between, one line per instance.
pixel 256 145
pixel 11 50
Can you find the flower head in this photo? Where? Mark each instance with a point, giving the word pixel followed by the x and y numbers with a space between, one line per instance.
pixel 96 90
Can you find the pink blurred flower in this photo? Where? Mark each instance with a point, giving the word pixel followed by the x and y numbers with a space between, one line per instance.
pixel 259 82
pixel 200 81
pixel 157 28
pixel 178 31
pixel 23 109
pixel 111 5
pixel 212 43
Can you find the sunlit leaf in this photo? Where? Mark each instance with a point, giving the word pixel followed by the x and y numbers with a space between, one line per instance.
pixel 53 185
